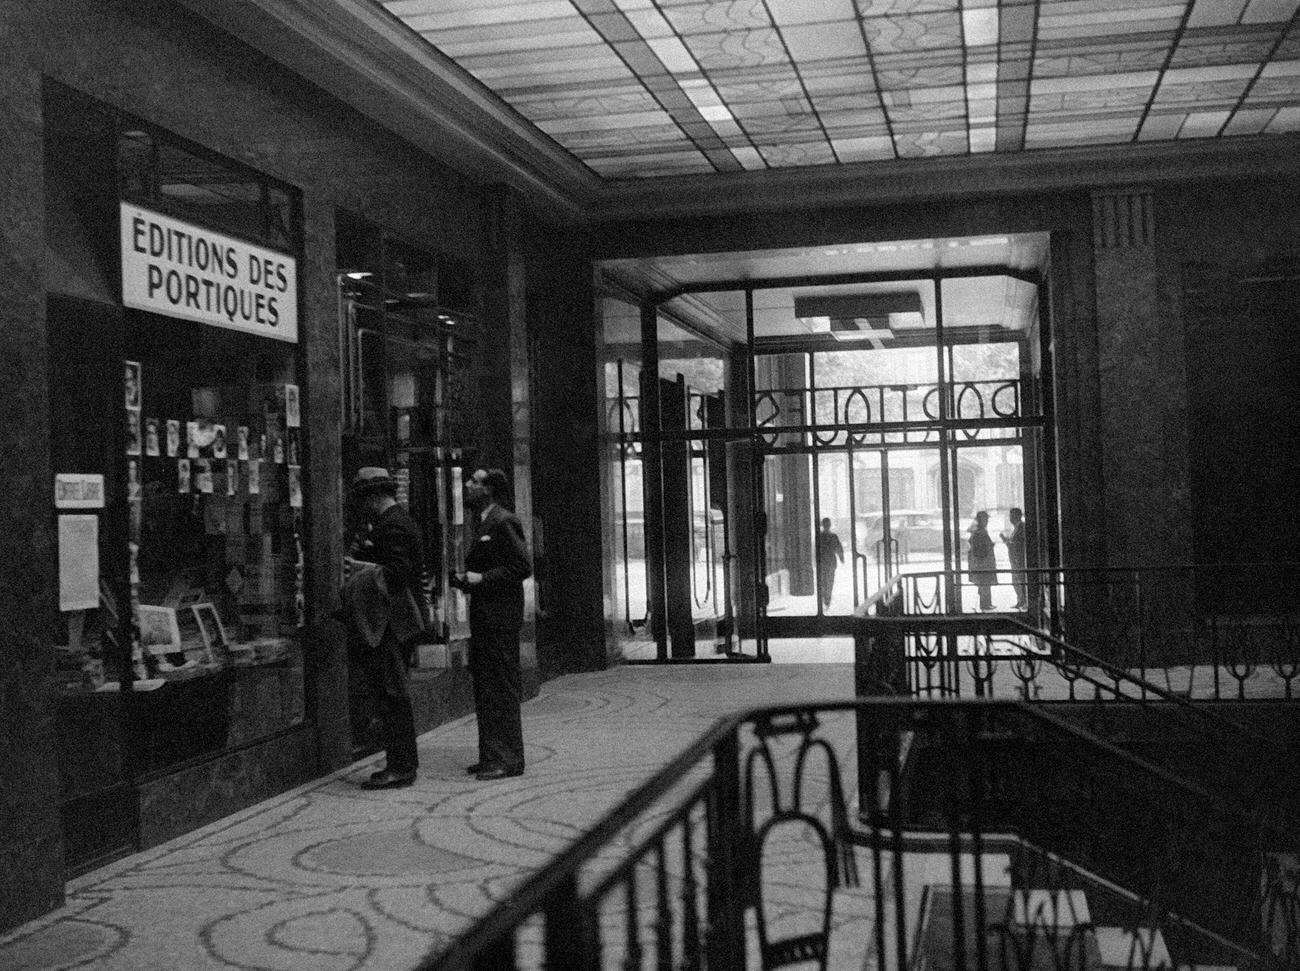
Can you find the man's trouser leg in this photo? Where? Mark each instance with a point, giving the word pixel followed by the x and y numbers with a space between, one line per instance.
pixel 476 680
pixel 500 725
pixel 390 683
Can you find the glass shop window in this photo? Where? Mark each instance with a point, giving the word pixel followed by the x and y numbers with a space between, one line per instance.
pixel 411 393
pixel 214 456
pixel 162 174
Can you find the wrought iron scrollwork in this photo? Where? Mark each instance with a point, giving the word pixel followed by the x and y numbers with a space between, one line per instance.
pixel 800 814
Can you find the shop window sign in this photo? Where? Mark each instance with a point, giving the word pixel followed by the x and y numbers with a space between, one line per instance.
pixel 177 269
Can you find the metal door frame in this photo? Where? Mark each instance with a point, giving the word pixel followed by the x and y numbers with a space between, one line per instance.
pixel 652 437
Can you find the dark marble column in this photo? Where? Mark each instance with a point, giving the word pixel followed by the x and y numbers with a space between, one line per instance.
pixel 1143 398
pixel 31 850
pixel 327 672
pixel 1143 389
pixel 505 388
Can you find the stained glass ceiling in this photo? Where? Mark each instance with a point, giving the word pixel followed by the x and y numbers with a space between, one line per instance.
pixel 639 88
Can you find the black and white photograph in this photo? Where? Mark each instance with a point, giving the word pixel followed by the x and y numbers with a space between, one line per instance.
pixel 292 415
pixel 133 443
pixel 131 384
pixel 793 483
pixel 151 443
pixel 295 487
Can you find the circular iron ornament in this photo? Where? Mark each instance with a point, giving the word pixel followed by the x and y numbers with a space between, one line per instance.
pixel 860 394
pixel 767 398
pixel 1000 393
pixel 818 435
pixel 929 403
pixel 969 388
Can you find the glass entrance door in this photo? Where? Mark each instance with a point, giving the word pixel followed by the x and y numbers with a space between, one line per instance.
pixel 771 485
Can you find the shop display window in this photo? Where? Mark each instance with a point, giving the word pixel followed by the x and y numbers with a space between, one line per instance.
pixel 182 592
pixel 214 452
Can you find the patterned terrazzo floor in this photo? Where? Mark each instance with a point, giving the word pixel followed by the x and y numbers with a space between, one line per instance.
pixel 330 877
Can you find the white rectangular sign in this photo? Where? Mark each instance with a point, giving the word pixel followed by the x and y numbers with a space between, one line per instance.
pixel 176 269
pixel 78 562
pixel 75 490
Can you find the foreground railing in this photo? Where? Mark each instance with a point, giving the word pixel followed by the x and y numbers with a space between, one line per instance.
pixel 900 834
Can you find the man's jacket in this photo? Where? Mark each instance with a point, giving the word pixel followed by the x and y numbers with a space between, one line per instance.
pixel 389 596
pixel 497 551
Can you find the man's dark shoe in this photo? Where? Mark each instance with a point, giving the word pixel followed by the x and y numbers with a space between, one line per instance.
pixel 477 767
pixel 389 780
pixel 497 772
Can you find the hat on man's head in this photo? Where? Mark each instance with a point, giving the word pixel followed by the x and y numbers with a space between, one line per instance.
pixel 371 479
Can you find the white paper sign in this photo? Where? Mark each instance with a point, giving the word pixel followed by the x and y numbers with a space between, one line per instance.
pixel 177 269
pixel 73 490
pixel 78 562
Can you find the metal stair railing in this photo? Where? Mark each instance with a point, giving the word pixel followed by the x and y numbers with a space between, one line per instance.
pixel 750 850
pixel 920 656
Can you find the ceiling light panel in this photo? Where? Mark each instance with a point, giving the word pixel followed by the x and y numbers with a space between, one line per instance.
pixel 644 88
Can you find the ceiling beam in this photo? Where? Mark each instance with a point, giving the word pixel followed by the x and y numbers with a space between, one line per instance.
pixel 948 177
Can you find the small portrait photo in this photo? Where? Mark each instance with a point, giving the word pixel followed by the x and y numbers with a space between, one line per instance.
pixel 292 415
pixel 203 477
pixel 183 475
pixel 232 478
pixel 242 453
pixel 295 487
pixel 254 477
pixel 293 451
pixel 151 446
pixel 133 479
pixel 133 431
pixel 218 441
pixel 192 439
pixel 277 451
pixel 131 383
pixel 173 437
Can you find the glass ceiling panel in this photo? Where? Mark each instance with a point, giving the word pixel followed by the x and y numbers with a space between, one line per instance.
pixel 644 88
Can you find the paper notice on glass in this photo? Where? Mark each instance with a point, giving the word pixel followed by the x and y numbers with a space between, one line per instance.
pixel 78 562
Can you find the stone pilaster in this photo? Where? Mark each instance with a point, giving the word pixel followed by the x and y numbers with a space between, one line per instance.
pixel 1143 388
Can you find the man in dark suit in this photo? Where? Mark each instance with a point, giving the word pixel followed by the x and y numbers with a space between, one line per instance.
pixel 383 607
pixel 496 567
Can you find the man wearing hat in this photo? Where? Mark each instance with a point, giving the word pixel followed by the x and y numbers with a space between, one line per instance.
pixel 496 567
pixel 382 604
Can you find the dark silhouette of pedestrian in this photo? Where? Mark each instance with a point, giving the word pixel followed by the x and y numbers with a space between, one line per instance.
pixel 1016 550
pixel 830 553
pixel 983 564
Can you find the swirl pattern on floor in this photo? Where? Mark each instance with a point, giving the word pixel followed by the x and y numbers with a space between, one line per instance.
pixel 330 876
